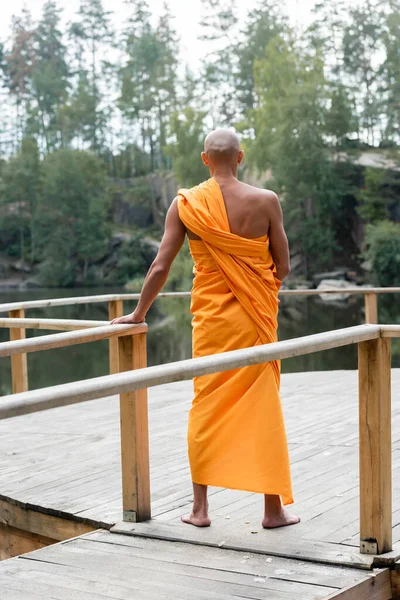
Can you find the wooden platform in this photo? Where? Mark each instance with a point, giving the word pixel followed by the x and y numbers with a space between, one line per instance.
pixel 60 472
pixel 66 461
pixel 105 565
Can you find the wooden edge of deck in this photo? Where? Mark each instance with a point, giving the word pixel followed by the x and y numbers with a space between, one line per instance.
pixel 40 523
pixel 23 515
pixel 309 551
pixel 376 587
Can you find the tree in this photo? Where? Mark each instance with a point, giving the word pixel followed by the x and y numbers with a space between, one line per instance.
pixel 148 78
pixel 17 65
pixel 188 130
pixel 49 76
pixel 391 75
pixel 362 43
pixel 383 252
pixel 90 33
pixel 263 24
pixel 73 223
pixel 379 195
pixel 289 139
pixel 220 24
pixel 19 197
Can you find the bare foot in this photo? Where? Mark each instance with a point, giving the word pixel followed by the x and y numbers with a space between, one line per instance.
pixel 197 521
pixel 282 519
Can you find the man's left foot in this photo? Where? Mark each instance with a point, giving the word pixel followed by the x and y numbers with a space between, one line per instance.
pixel 283 519
pixel 197 521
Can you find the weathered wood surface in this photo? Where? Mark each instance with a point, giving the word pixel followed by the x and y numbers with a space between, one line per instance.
pixel 69 338
pixel 19 365
pixel 67 460
pixel 375 446
pixel 105 565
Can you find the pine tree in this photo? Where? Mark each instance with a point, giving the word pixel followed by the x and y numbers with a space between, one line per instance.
pixel 90 33
pixel 50 77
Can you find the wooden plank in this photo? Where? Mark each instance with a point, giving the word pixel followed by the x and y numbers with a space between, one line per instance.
pixel 375 446
pixel 115 310
pixel 371 308
pixel 39 523
pixel 318 552
pixel 69 338
pixel 134 435
pixel 376 587
pixel 19 365
pixel 230 560
pixel 14 542
pixel 391 331
pixel 50 324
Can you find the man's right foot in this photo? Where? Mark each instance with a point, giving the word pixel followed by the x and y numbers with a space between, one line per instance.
pixel 282 519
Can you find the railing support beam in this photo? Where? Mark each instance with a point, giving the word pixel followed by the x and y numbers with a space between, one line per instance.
pixel 19 365
pixel 134 434
pixel 375 446
pixel 115 310
pixel 371 308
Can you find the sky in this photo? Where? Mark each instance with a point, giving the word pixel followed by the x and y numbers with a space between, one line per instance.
pixel 187 16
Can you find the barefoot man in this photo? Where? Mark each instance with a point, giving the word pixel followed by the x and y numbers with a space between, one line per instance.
pixel 236 433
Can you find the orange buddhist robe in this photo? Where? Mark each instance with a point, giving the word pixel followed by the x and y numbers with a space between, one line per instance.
pixel 236 433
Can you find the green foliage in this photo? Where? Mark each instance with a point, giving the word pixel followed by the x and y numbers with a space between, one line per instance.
pixel 188 130
pixel 20 189
pixel 307 103
pixel 379 194
pixel 72 212
pixel 289 138
pixel 383 252
pixel 131 262
pixel 180 278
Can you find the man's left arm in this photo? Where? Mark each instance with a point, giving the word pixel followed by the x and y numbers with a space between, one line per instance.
pixel 171 243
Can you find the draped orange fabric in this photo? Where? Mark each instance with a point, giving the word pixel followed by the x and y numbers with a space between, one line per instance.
pixel 236 430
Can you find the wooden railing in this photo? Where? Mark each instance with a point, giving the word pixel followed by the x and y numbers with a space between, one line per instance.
pixel 132 383
pixel 16 312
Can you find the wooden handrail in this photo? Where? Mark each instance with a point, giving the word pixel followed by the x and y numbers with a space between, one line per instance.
pixel 121 383
pixel 48 303
pixel 70 338
pixel 50 324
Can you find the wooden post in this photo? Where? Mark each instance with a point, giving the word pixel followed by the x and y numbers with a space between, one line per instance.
pixel 115 309
pixel 19 367
pixel 371 308
pixel 134 434
pixel 375 446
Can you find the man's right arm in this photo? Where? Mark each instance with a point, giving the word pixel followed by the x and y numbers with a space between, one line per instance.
pixel 279 245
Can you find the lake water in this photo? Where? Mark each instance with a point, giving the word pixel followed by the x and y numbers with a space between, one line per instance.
pixel 169 337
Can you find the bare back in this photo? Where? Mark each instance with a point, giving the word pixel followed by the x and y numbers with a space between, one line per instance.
pixel 247 208
pixel 253 213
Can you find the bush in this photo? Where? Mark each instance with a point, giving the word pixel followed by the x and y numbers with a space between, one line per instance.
pixel 383 252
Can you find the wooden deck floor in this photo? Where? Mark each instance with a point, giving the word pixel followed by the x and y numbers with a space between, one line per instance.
pixel 105 565
pixel 66 462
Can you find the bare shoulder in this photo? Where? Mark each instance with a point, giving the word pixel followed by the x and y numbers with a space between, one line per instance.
pixel 261 193
pixel 267 198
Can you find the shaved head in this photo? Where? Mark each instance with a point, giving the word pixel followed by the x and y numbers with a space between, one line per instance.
pixel 222 147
